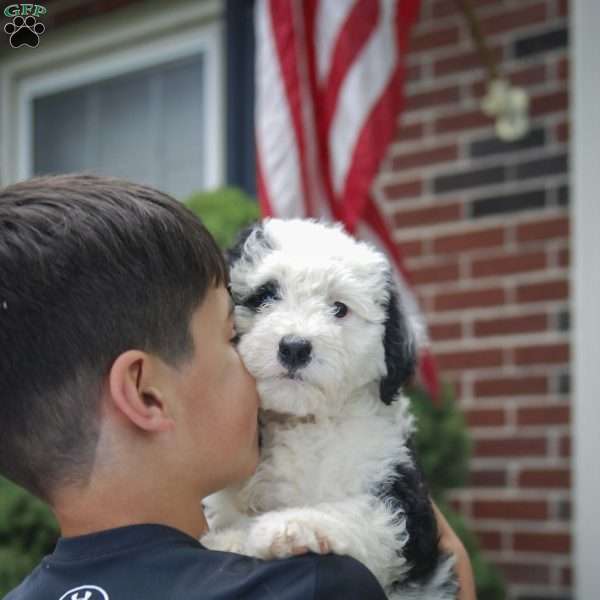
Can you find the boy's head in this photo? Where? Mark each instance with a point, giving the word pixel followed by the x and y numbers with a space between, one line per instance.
pixel 91 268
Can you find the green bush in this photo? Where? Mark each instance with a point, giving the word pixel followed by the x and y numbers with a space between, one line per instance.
pixel 443 447
pixel 28 531
pixel 224 212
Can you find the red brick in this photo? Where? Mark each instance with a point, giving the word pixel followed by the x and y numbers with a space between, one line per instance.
pixel 562 132
pixel 508 264
pixel 439 213
pixel 523 77
pixel 461 121
pixel 466 61
pixel 489 540
pixel 563 257
pixel 75 13
pixel 549 103
pixel 406 189
pixel 510 446
pixel 474 240
pixel 514 19
pixel 544 415
pixel 413 72
pixel 563 8
pixel 434 39
pixel 547 229
pixel 487 478
pixel 559 543
pixel 538 292
pixel 457 506
pixel 437 97
pixel 565 446
pixel 409 132
pixel 443 331
pixel 469 360
pixel 510 325
pixel 485 418
pixel 562 68
pixel 525 572
pixel 435 274
pixel 444 8
pixel 410 248
pixel 545 478
pixel 425 157
pixel 469 299
pixel 534 510
pixel 511 386
pixel 546 354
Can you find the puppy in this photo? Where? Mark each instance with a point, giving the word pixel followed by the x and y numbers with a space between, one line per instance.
pixel 321 329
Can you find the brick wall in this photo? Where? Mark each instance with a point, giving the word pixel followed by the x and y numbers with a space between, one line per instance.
pixel 484 227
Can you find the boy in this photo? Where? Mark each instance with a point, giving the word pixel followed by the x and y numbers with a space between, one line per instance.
pixel 123 402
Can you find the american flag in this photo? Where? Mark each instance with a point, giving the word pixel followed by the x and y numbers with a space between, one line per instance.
pixel 329 78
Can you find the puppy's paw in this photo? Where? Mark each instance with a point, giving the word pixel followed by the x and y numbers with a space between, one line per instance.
pixel 280 536
pixel 225 540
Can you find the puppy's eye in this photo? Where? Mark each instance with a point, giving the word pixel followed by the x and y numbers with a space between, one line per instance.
pixel 235 339
pixel 340 310
pixel 264 295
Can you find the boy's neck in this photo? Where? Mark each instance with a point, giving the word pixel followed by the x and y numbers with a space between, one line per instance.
pixel 94 508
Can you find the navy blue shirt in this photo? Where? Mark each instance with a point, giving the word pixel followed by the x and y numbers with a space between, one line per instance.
pixel 156 562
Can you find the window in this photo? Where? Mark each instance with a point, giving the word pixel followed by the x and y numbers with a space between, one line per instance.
pixel 150 112
pixel 148 126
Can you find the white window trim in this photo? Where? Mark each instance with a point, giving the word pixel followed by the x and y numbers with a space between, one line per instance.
pixel 151 39
pixel 585 181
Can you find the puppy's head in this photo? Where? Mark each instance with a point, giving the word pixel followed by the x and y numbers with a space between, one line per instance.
pixel 318 317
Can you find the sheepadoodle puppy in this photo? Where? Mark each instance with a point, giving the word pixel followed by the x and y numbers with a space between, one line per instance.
pixel 321 329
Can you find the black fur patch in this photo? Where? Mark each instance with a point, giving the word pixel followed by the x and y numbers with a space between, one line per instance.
pixel 409 496
pixel 400 356
pixel 236 252
pixel 264 294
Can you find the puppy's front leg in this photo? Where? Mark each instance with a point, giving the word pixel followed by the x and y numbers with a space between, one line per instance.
pixel 361 527
pixel 228 526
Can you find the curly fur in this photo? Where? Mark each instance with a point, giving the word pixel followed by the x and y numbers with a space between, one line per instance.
pixel 321 329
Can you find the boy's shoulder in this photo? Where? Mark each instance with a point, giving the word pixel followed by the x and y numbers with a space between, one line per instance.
pixel 170 564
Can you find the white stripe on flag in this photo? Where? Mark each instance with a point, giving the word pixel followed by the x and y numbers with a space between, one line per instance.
pixel 330 17
pixel 361 89
pixel 275 139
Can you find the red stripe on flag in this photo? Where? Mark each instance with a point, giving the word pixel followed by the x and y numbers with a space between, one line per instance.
pixel 286 42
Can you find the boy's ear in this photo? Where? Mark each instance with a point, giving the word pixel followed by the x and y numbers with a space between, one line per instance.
pixel 135 395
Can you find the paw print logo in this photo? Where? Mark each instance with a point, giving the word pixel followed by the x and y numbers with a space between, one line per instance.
pixel 24 32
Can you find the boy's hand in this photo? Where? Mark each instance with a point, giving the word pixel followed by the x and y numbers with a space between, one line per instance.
pixel 450 543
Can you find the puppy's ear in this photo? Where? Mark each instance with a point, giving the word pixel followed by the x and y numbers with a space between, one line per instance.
pixel 399 346
pixel 249 243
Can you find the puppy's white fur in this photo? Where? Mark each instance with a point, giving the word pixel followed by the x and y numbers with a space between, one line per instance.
pixel 327 438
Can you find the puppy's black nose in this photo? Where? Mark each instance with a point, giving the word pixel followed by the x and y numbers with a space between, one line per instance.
pixel 294 351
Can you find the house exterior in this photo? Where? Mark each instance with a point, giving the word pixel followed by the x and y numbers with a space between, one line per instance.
pixel 500 239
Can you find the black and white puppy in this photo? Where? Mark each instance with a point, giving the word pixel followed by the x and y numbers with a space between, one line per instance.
pixel 321 329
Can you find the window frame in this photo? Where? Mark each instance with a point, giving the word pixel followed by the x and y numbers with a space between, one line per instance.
pixel 154 38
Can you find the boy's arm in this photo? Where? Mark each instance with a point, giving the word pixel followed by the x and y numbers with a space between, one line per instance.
pixel 450 542
pixel 345 578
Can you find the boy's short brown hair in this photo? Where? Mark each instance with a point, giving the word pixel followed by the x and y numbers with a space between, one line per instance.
pixel 90 267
